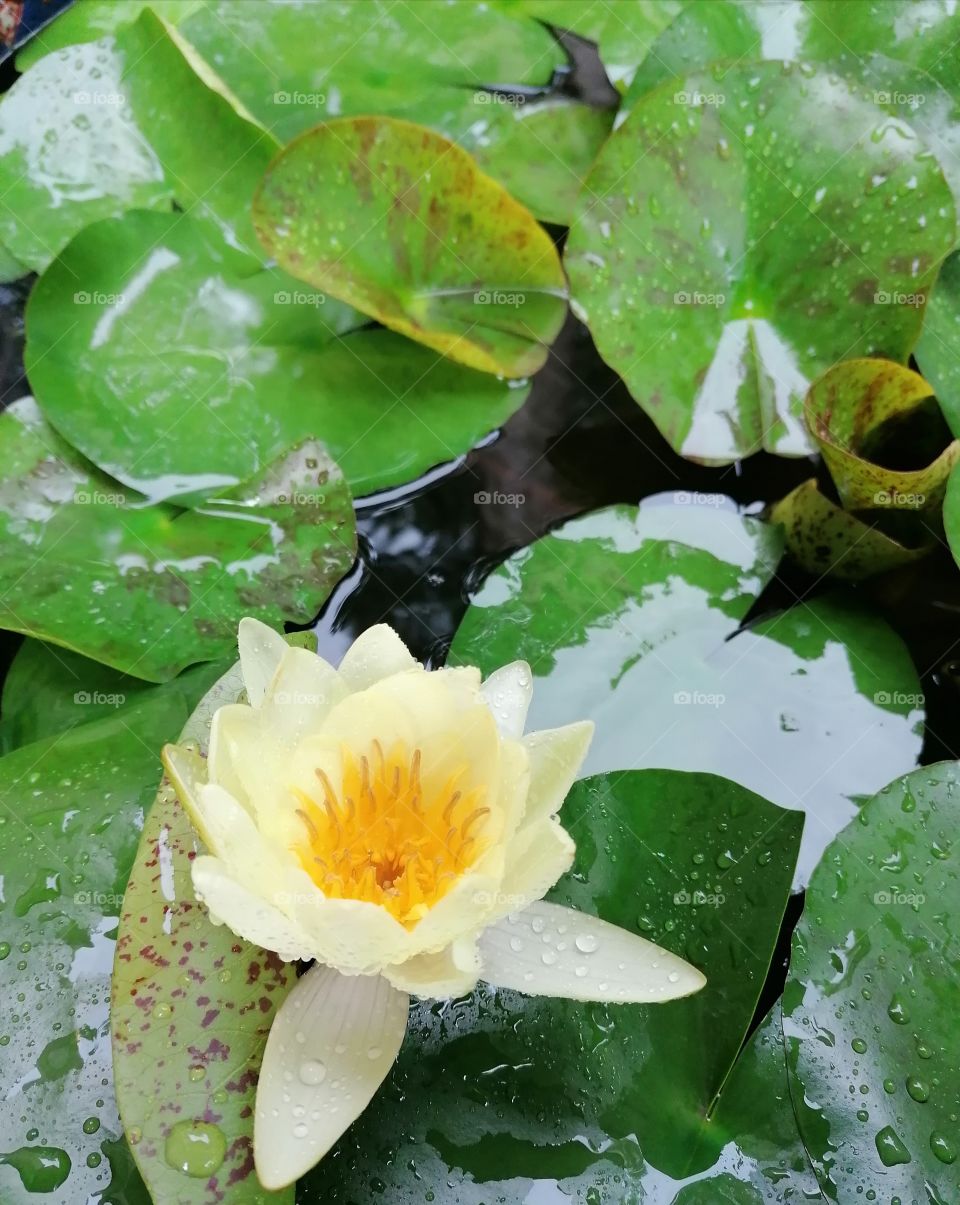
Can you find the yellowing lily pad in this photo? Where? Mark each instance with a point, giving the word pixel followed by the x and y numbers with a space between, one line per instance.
pixel 401 224
pixel 725 253
pixel 157 588
pixel 823 538
pixel 852 404
pixel 191 1008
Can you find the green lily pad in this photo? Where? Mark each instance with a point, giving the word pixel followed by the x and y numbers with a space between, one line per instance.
pixel 122 123
pixel 951 514
pixel 496 1096
pixel 160 588
pixel 739 220
pixel 71 807
pixel 629 612
pixel 825 539
pixel 938 352
pixel 191 1008
pixel 411 232
pixel 48 690
pixel 870 1003
pixel 624 33
pixel 181 372
pixel 853 403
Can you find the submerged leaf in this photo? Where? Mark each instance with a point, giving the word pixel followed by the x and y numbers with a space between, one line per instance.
pixel 636 613
pixel 191 1008
pixel 871 999
pixel 411 232
pixel 735 219
pixel 161 588
pixel 825 539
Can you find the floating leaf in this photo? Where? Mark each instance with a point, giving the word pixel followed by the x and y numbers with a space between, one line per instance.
pixel 180 371
pixel 852 406
pixel 120 124
pixel 938 352
pixel 411 232
pixel 160 588
pixel 592 1101
pixel 825 539
pixel 624 33
pixel 735 219
pixel 951 514
pixel 48 690
pixel 191 1008
pixel 71 807
pixel 870 1003
pixel 630 613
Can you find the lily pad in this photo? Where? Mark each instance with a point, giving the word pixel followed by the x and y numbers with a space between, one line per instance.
pixel 191 1008
pixel 870 1003
pixel 160 588
pixel 182 372
pixel 951 514
pixel 823 538
pixel 411 232
pixel 48 690
pixel 97 129
pixel 71 807
pixel 851 405
pixel 736 219
pixel 496 1096
pixel 636 613
pixel 938 352
pixel 294 66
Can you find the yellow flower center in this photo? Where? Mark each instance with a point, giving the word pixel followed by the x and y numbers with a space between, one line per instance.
pixel 385 839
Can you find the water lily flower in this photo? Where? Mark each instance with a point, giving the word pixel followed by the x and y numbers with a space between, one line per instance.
pixel 395 826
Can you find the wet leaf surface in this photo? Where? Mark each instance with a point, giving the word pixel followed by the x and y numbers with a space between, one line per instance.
pixel 722 218
pixel 872 995
pixel 412 233
pixel 938 352
pixel 161 588
pixel 498 1095
pixel 71 809
pixel 630 613
pixel 184 372
pixel 190 1011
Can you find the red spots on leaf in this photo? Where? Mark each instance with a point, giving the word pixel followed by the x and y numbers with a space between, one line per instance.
pixel 209 1017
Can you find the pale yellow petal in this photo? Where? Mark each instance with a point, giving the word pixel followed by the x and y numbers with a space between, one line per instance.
pixel 556 755
pixel 261 649
pixel 507 692
pixel 536 858
pixel 452 971
pixel 187 772
pixel 249 916
pixel 301 695
pixel 547 950
pixel 331 1045
pixel 376 653
pixel 463 909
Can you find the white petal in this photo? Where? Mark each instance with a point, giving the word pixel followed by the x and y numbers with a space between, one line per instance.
pixel 537 857
pixel 547 950
pixel 260 651
pixel 301 694
pixel 507 693
pixel 376 653
pixel 452 971
pixel 188 772
pixel 330 1048
pixel 249 916
pixel 556 755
